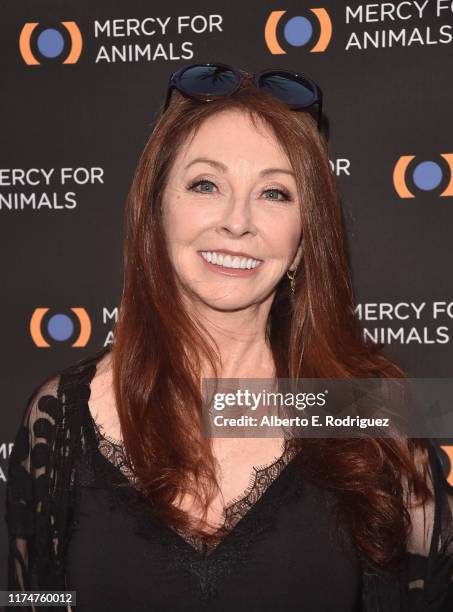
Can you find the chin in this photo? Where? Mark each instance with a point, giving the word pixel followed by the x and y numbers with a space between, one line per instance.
pixel 226 305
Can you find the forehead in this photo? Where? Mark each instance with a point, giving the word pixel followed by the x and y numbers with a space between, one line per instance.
pixel 230 136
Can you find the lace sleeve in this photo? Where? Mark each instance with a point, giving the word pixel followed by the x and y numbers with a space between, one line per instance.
pixel 430 544
pixel 27 494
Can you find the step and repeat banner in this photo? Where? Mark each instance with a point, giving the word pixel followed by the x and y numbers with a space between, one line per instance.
pixel 81 85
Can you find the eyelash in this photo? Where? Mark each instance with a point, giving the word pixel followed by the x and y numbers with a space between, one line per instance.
pixel 283 192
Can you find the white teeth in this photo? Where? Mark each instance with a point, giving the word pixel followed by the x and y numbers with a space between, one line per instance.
pixel 229 261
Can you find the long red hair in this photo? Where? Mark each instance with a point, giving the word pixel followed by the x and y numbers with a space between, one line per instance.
pixel 158 349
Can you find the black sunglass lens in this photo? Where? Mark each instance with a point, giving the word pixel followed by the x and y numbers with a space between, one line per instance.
pixel 294 91
pixel 208 80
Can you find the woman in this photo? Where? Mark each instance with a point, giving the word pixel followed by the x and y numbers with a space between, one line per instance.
pixel 235 267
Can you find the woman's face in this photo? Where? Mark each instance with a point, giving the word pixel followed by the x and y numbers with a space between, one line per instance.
pixel 231 213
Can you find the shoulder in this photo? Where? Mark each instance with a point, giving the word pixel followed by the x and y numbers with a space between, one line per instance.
pixel 102 401
pixel 89 382
pixel 84 371
pixel 62 388
pixel 50 421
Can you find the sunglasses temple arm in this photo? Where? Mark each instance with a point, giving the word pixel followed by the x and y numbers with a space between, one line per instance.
pixel 320 111
pixel 167 98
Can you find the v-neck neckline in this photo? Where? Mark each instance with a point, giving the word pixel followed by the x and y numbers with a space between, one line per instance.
pixel 270 493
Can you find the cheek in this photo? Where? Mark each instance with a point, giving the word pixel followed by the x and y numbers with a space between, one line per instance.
pixel 284 238
pixel 183 225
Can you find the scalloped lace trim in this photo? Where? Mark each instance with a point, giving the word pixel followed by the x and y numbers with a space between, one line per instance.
pixel 261 478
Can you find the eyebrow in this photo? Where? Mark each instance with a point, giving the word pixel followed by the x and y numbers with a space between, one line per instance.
pixel 220 166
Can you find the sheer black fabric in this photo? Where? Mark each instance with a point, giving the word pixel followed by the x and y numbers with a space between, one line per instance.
pixel 75 522
pixel 251 568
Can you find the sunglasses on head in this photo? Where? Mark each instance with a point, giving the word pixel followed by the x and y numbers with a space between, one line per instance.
pixel 206 82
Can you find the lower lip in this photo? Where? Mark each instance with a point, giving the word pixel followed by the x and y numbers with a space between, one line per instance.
pixel 230 271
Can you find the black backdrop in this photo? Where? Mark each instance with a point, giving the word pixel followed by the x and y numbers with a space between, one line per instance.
pixel 80 90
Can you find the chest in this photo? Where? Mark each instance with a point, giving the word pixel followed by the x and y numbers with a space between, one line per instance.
pixel 283 546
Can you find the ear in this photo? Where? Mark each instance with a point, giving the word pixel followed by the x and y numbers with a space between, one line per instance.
pixel 297 258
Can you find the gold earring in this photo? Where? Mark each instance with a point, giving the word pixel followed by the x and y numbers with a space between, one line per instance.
pixel 292 280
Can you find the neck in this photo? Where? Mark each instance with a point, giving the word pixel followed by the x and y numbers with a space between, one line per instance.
pixel 241 339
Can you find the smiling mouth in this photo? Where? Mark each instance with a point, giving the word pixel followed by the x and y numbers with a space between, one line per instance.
pixel 231 262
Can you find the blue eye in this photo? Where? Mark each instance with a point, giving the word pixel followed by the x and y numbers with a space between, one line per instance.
pixel 201 182
pixel 285 194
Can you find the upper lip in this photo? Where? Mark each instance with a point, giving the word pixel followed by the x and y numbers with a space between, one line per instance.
pixel 237 253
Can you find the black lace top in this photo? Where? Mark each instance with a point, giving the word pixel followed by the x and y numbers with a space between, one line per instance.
pixel 76 522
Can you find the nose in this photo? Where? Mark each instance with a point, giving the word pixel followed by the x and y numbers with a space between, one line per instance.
pixel 237 218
